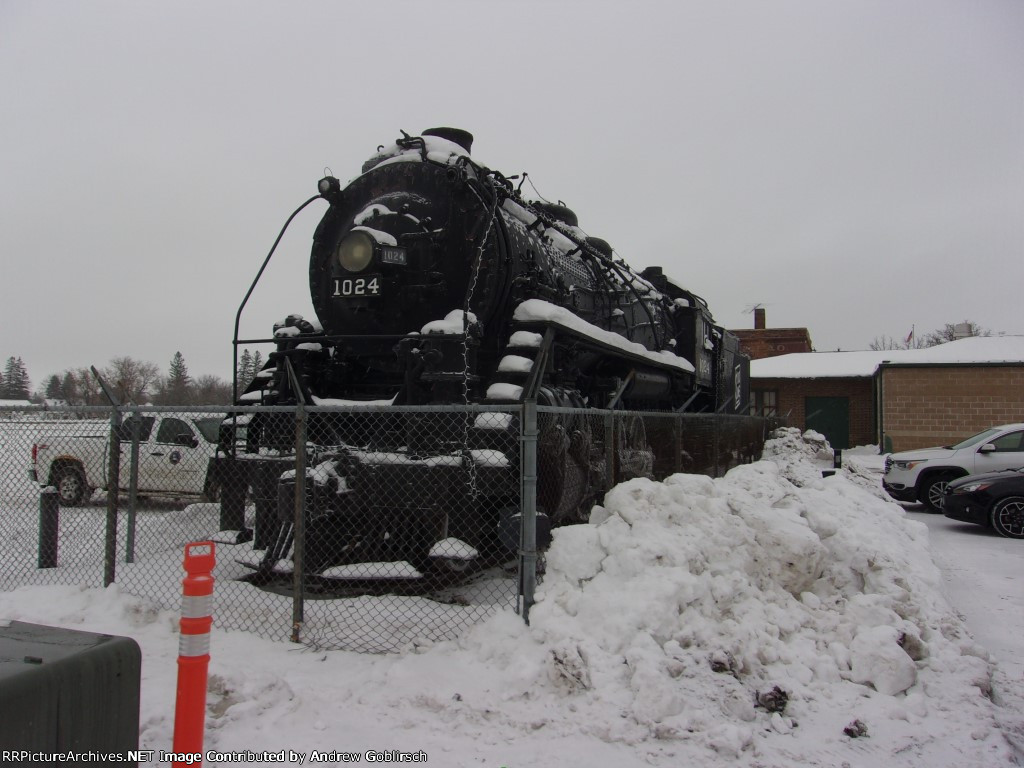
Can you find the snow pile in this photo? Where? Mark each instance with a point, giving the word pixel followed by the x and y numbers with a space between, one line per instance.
pixel 761 613
pixel 800 458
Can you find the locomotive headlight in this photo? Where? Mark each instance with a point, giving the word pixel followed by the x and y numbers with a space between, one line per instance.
pixel 355 251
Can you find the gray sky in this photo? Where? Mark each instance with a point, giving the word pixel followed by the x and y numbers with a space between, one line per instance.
pixel 855 167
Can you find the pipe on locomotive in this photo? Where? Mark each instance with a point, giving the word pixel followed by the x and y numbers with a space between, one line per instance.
pixel 331 184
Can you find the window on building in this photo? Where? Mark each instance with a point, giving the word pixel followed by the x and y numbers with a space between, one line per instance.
pixel 764 402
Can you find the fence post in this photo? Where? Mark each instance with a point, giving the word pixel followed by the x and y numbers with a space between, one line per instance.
pixel 113 485
pixel 716 419
pixel 609 450
pixel 299 545
pixel 133 488
pixel 299 526
pixel 677 441
pixel 49 524
pixel 528 549
pixel 194 648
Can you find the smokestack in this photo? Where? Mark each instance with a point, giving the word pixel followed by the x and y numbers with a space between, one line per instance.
pixel 759 318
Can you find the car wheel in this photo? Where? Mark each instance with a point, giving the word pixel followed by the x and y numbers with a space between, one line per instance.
pixel 933 490
pixel 1008 517
pixel 70 485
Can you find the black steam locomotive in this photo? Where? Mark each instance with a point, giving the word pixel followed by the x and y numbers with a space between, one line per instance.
pixel 436 283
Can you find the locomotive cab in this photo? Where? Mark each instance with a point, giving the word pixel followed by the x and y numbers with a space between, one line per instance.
pixel 694 334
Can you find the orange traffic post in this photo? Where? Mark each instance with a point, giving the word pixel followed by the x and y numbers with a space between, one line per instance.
pixel 194 650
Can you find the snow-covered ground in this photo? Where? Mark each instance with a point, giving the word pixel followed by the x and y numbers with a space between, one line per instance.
pixel 768 618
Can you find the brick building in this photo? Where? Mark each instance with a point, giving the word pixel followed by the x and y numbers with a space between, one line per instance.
pixel 899 399
pixel 829 392
pixel 961 398
pixel 760 341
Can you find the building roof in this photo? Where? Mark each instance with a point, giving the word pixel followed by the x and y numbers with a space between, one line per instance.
pixel 841 365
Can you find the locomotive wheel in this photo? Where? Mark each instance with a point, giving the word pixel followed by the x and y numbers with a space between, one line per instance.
pixel 563 460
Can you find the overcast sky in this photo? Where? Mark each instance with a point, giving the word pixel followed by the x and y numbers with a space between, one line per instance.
pixel 855 167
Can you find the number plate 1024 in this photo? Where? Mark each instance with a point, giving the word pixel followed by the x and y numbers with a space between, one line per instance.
pixel 367 285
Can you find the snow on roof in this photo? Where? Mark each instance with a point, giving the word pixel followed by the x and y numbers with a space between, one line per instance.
pixel 815 365
pixel 821 365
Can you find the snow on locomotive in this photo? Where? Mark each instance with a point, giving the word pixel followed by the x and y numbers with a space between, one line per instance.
pixel 436 283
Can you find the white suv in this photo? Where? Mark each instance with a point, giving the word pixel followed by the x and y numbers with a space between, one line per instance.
pixel 922 474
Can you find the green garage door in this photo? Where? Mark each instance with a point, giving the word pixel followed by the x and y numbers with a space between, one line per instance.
pixel 831 417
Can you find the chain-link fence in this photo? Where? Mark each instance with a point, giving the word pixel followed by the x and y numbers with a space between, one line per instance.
pixel 368 528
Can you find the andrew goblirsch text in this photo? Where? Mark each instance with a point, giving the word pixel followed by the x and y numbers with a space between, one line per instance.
pixel 378 756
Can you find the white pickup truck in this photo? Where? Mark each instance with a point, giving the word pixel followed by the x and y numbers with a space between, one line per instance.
pixel 174 458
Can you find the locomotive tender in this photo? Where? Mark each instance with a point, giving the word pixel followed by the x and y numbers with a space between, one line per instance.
pixel 436 283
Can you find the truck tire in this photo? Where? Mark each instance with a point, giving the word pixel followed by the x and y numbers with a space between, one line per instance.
pixel 212 491
pixel 70 484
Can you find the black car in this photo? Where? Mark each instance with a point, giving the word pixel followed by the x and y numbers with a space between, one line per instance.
pixel 994 498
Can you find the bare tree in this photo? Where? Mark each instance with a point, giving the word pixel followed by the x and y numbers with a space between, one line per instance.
pixel 949 332
pixel 884 343
pixel 131 379
pixel 79 387
pixel 881 343
pixel 954 331
pixel 211 390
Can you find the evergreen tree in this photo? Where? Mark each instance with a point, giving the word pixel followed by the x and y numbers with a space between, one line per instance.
pixel 16 385
pixel 178 381
pixel 25 382
pixel 69 388
pixel 245 371
pixel 53 390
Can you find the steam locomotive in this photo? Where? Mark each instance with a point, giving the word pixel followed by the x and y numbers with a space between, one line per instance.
pixel 436 283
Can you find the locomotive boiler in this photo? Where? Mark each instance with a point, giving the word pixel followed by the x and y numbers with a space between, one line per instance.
pixel 437 283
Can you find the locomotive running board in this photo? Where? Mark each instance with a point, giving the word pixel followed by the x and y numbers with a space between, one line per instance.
pixel 639 360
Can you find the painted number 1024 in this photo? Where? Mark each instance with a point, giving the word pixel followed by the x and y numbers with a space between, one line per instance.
pixel 357 286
